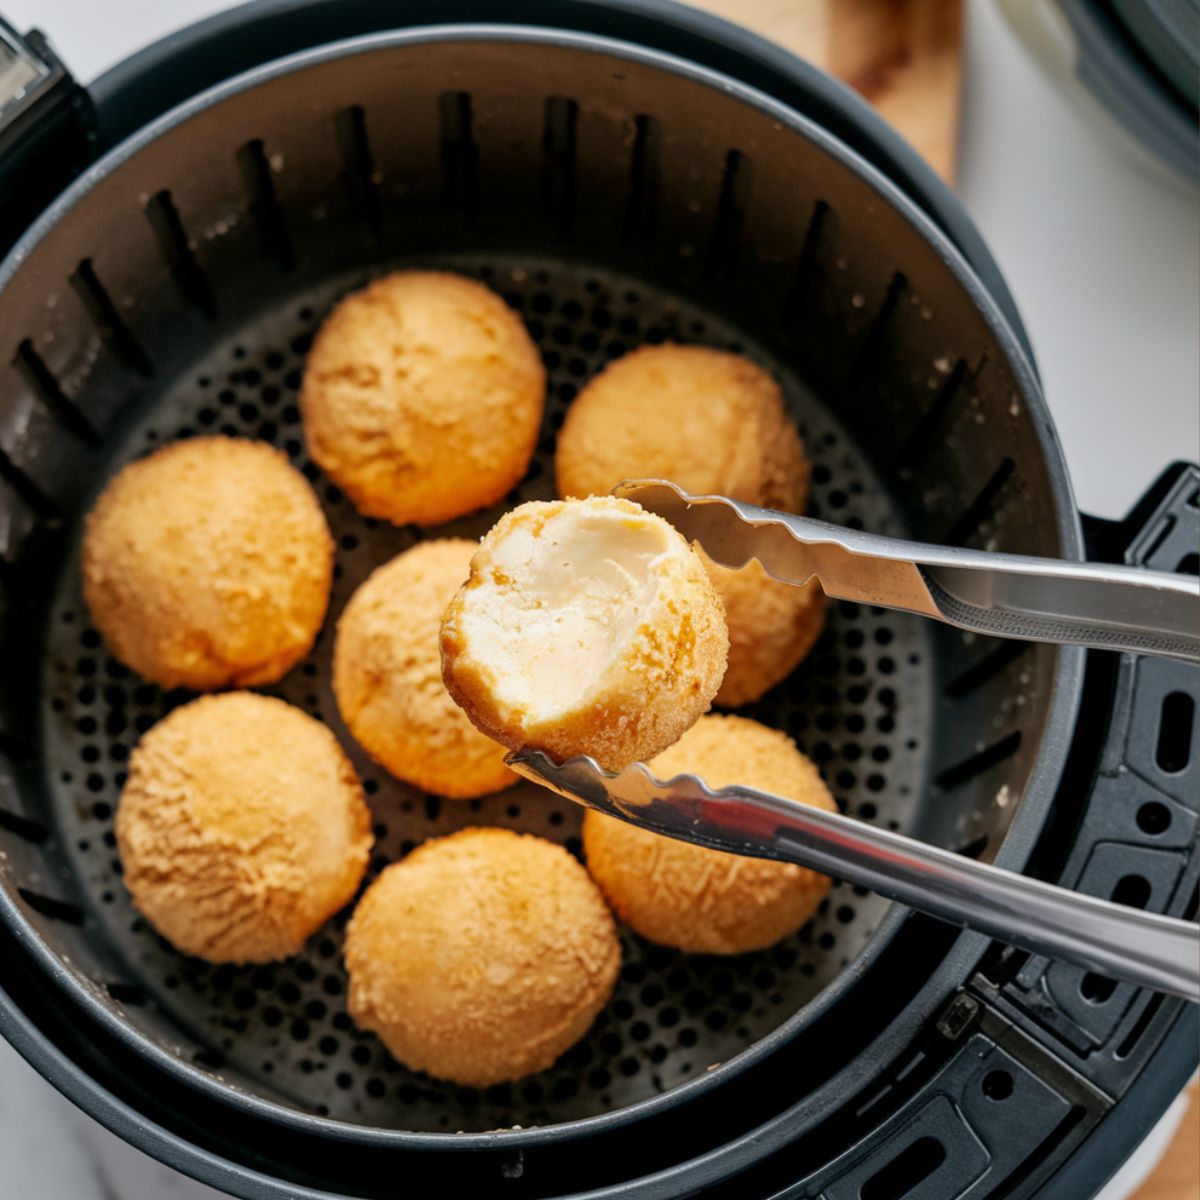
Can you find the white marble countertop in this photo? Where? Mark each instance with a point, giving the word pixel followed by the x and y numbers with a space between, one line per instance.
pixel 1102 257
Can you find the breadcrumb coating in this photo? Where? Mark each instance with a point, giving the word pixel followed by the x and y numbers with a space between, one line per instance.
pixel 705 901
pixel 208 564
pixel 710 421
pixel 482 956
pixel 387 676
pixel 242 828
pixel 422 397
pixel 772 627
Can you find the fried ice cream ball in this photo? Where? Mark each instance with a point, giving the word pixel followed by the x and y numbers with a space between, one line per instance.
pixel 387 676
pixel 585 627
pixel 481 957
pixel 705 901
pixel 772 627
pixel 422 397
pixel 713 423
pixel 208 564
pixel 242 828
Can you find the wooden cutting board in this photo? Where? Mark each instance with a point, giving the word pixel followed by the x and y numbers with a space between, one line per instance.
pixel 1177 1176
pixel 904 56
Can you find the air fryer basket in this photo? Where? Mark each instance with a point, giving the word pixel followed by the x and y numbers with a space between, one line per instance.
pixel 614 197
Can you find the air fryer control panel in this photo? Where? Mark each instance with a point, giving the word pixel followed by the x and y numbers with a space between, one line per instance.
pixel 20 72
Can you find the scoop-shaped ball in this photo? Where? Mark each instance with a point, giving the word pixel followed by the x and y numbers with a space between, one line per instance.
pixel 208 564
pixel 482 956
pixel 772 627
pixel 710 421
pixel 585 627
pixel 422 397
pixel 242 828
pixel 705 901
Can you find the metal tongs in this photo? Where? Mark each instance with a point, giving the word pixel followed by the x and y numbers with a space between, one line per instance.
pixel 1003 595
pixel 1112 607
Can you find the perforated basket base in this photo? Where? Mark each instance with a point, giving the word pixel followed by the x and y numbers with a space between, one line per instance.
pixel 858 706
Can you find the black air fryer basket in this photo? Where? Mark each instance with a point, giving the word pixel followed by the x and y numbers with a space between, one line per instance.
pixel 622 174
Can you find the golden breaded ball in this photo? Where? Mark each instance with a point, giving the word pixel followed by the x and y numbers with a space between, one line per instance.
pixel 422 397
pixel 481 957
pixel 712 422
pixel 242 828
pixel 772 627
pixel 586 627
pixel 705 901
pixel 387 676
pixel 208 564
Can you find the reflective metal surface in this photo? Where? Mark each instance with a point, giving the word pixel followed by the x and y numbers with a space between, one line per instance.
pixel 1005 595
pixel 1158 952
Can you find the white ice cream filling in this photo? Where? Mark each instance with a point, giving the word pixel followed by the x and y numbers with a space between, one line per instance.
pixel 569 599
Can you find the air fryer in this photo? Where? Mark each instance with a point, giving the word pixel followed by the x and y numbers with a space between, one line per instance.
pixel 622 175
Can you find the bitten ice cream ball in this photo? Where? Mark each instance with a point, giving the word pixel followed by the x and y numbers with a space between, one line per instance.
pixel 242 828
pixel 387 676
pixel 481 957
pixel 705 901
pixel 208 564
pixel 714 423
pixel 422 397
pixel 585 627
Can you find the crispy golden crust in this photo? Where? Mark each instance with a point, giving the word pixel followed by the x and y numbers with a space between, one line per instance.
pixel 772 627
pixel 387 676
pixel 208 564
pixel 242 828
pixel 699 900
pixel 481 957
pixel 657 685
pixel 712 422
pixel 422 397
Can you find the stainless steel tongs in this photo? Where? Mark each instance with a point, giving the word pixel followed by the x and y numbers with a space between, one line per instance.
pixel 1116 608
pixel 1004 595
